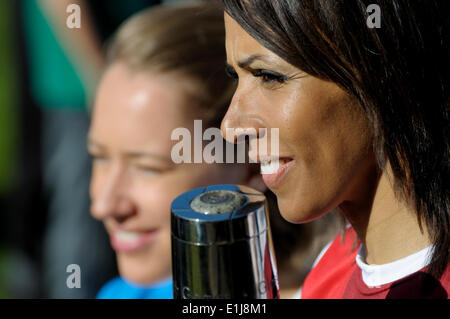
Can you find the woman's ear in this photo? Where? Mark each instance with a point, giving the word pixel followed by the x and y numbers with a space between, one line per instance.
pixel 254 179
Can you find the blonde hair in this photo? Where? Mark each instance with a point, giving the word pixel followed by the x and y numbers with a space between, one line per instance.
pixel 187 39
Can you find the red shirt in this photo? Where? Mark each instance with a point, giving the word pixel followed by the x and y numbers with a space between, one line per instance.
pixel 338 276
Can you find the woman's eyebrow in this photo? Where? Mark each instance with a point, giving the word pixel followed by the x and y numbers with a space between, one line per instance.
pixel 92 143
pixel 249 60
pixel 131 154
pixel 139 154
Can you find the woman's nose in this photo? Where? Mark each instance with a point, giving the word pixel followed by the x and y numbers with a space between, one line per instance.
pixel 242 122
pixel 110 200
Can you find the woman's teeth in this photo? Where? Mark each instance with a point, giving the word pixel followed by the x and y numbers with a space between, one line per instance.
pixel 128 237
pixel 270 167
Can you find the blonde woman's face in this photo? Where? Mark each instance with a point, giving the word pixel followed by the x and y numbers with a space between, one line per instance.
pixel 134 179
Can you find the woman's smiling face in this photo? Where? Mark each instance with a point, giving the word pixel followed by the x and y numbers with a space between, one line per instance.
pixel 322 132
pixel 134 179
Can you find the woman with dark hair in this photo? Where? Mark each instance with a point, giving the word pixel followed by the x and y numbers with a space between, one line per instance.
pixel 363 118
pixel 151 87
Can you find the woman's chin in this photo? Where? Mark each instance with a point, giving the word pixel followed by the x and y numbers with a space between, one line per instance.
pixel 135 273
pixel 298 212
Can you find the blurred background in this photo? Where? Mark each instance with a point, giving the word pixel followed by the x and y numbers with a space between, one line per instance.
pixel 48 75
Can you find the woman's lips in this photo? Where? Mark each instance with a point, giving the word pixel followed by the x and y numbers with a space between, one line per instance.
pixel 126 241
pixel 275 171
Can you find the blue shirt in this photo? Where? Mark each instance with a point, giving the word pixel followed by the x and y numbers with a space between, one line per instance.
pixel 118 288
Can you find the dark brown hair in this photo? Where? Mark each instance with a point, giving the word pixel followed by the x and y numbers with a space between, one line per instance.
pixel 398 73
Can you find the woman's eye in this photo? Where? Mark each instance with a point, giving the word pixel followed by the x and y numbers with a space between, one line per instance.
pixel 147 169
pixel 229 70
pixel 270 77
pixel 99 158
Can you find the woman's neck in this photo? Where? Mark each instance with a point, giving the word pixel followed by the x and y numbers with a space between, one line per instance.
pixel 387 227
